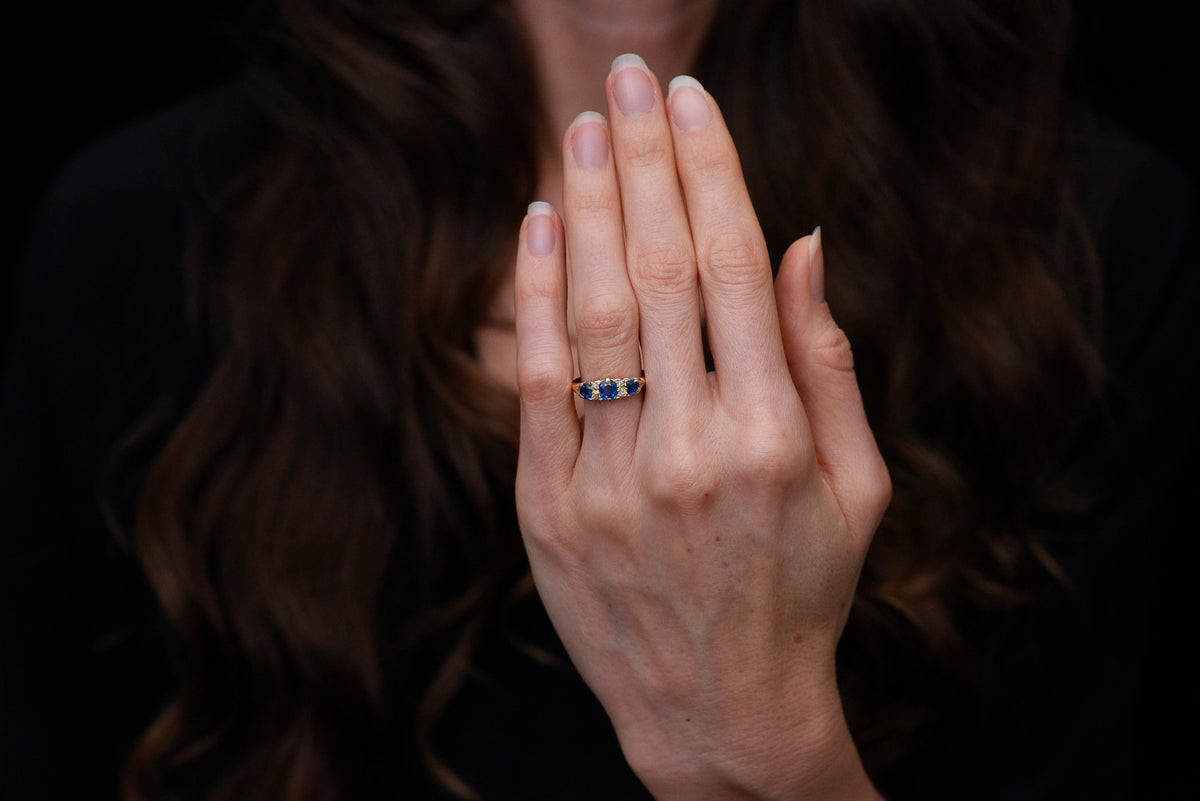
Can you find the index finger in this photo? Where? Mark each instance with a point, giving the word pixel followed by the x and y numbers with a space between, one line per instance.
pixel 550 435
pixel 732 259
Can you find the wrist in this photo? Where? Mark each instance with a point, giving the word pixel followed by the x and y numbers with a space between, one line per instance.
pixel 807 753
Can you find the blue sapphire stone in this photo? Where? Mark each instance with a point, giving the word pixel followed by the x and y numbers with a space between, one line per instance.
pixel 608 389
pixel 632 385
pixel 585 391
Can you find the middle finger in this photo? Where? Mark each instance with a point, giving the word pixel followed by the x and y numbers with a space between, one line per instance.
pixel 658 242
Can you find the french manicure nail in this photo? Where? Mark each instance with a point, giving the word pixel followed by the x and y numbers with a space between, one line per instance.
pixel 589 140
pixel 631 85
pixel 539 235
pixel 816 266
pixel 688 103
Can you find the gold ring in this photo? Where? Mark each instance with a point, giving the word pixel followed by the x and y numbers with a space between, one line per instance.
pixel 608 388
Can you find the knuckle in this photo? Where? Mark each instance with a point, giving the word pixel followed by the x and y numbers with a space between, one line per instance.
pixel 608 318
pixel 772 458
pixel 666 266
pixel 647 150
pixel 736 257
pixel 715 163
pixel 536 288
pixel 880 493
pixel 596 509
pixel 872 492
pixel 682 478
pixel 542 520
pixel 578 202
pixel 831 350
pixel 540 379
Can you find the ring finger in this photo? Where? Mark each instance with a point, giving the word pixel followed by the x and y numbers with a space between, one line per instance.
pixel 603 302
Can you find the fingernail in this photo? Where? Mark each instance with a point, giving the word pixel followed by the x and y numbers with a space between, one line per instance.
pixel 688 103
pixel 631 85
pixel 816 266
pixel 539 234
pixel 589 140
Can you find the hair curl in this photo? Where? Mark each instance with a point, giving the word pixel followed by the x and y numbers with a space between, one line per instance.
pixel 344 471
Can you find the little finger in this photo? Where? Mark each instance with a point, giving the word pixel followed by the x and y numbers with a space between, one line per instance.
pixel 550 433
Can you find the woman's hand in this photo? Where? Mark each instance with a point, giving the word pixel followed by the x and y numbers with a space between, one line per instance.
pixel 697 544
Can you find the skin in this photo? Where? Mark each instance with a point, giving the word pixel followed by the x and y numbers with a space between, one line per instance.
pixel 697 546
pixel 572 43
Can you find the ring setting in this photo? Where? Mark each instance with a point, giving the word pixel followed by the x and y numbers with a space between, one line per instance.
pixel 608 388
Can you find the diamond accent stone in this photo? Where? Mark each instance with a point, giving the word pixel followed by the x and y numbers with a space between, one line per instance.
pixel 609 388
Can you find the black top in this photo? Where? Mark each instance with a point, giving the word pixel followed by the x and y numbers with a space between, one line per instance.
pixel 1081 690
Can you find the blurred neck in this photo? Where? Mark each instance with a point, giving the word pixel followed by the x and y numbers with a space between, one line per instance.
pixel 573 43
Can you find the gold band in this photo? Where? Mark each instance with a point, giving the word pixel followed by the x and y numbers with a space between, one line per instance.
pixel 608 388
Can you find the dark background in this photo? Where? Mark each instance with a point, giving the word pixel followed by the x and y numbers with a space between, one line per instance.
pixel 80 69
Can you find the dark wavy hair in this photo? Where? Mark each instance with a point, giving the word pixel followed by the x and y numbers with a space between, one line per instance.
pixel 330 528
